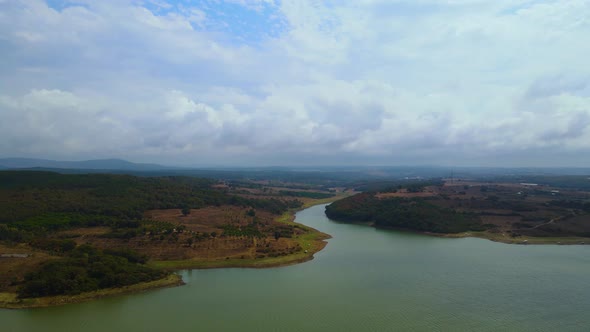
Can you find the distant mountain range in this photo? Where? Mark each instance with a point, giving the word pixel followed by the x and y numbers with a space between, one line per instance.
pixel 120 166
pixel 102 164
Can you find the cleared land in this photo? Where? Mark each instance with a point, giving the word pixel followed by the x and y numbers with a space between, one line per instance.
pixel 217 237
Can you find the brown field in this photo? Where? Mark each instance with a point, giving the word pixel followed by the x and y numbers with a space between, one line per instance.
pixel 203 237
pixel 188 248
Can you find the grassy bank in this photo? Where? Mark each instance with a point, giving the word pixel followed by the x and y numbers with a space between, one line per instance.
pixel 11 301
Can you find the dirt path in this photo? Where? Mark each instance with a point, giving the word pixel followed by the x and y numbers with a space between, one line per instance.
pixel 547 223
pixel 572 213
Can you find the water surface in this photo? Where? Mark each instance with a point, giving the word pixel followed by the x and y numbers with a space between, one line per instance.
pixel 364 280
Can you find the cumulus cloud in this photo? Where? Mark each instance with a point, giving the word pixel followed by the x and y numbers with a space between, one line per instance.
pixel 266 82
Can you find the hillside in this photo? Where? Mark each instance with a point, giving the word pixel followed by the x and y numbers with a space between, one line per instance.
pixel 56 224
pixel 509 212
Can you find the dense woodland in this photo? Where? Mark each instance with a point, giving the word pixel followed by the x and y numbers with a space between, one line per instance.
pixel 404 213
pixel 32 203
pixel 86 269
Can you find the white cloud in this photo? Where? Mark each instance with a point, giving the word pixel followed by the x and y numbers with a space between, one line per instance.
pixel 462 82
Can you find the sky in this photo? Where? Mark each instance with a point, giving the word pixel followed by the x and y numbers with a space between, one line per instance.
pixel 268 82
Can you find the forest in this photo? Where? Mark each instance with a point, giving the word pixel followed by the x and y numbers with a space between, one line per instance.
pixel 32 203
pixel 86 269
pixel 402 213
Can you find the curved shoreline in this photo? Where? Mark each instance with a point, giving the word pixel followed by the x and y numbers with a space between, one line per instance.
pixel 312 242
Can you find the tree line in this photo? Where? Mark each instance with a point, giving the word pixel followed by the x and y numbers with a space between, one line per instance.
pixel 406 213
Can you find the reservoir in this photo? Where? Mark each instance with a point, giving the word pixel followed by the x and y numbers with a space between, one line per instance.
pixel 364 280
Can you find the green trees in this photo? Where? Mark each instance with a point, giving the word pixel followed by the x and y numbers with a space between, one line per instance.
pixel 360 208
pixel 87 269
pixel 186 211
pixel 34 203
pixel 413 214
pixel 36 206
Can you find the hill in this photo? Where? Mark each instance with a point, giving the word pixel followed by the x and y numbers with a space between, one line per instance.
pixel 72 233
pixel 502 211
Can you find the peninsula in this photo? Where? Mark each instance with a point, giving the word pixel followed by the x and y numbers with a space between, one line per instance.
pixel 556 212
pixel 74 237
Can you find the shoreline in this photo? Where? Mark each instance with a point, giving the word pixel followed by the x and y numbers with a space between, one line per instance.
pixel 312 242
pixel 522 240
pixel 11 301
pixel 494 237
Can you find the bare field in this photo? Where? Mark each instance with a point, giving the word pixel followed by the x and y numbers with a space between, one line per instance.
pixel 202 236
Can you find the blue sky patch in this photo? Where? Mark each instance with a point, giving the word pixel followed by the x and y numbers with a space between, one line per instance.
pixel 248 24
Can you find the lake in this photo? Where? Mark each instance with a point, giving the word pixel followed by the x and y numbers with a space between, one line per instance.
pixel 364 280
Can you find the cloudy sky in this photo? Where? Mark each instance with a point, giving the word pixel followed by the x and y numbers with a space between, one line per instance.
pixel 268 82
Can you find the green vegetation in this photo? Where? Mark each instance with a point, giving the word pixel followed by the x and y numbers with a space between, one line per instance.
pixel 509 212
pixel 394 185
pixel 34 203
pixel 37 209
pixel 54 246
pixel 12 301
pixel 406 213
pixel 87 269
pixel 249 231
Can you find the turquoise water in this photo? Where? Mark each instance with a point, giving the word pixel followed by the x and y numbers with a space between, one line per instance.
pixel 364 280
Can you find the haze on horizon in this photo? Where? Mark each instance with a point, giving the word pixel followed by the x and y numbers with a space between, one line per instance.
pixel 265 82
